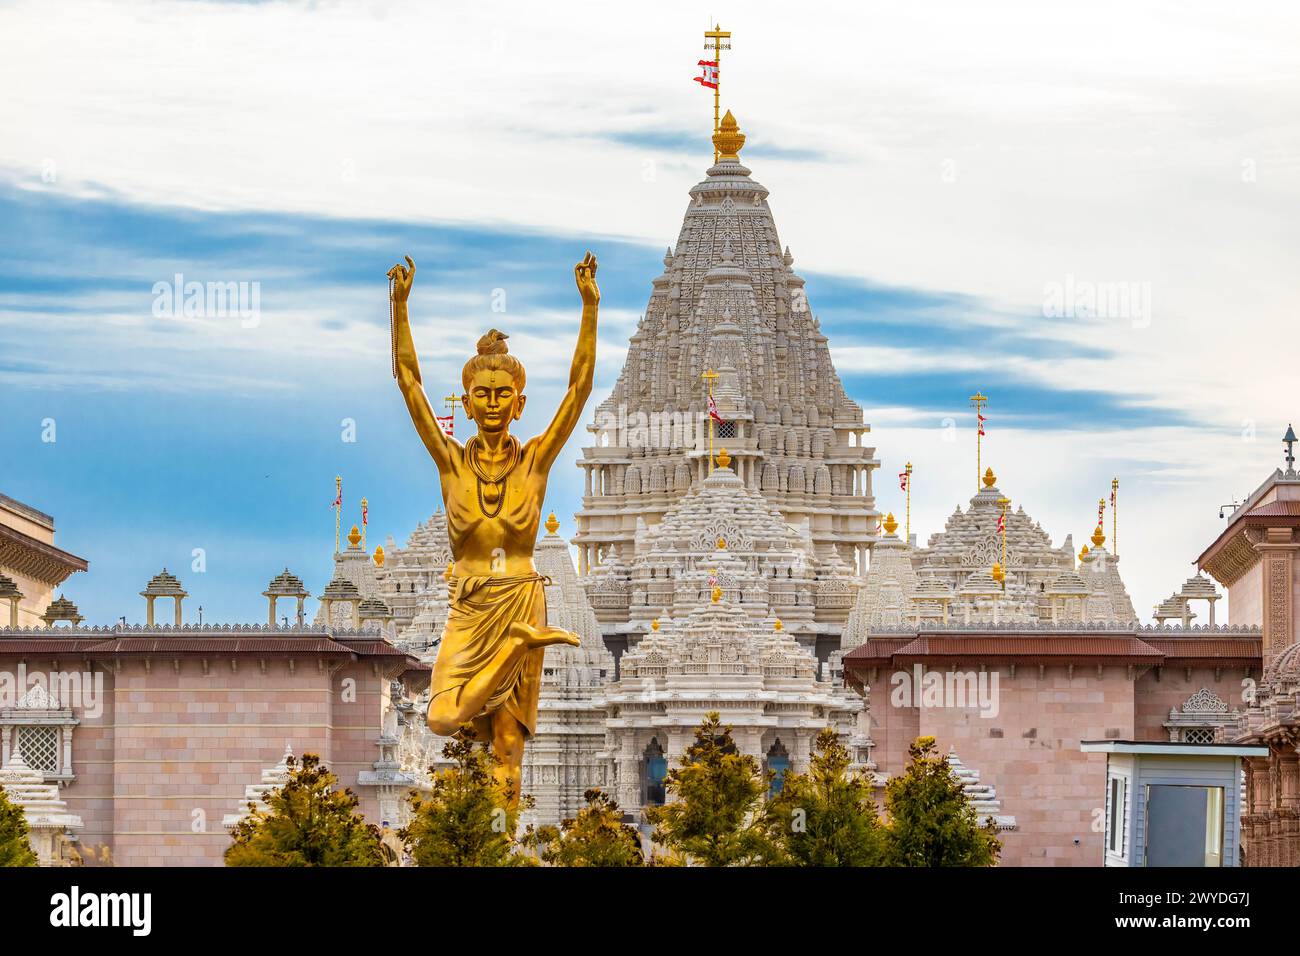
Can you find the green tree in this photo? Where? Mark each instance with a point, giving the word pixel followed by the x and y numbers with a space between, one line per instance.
pixel 826 817
pixel 15 847
pixel 931 822
pixel 717 817
pixel 308 823
pixel 597 836
pixel 466 819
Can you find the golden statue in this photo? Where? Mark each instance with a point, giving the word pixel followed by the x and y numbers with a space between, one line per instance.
pixel 488 671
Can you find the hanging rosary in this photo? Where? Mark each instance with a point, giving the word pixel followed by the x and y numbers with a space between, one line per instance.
pixel 481 476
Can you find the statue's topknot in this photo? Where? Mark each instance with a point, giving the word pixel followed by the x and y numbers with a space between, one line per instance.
pixel 493 343
pixel 493 354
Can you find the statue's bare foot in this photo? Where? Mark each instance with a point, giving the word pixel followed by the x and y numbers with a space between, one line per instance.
pixel 544 636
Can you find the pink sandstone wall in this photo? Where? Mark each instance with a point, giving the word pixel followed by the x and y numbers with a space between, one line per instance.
pixel 1246 598
pixel 1156 696
pixel 188 743
pixel 174 750
pixel 1030 752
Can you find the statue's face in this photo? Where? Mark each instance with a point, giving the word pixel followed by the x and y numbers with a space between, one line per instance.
pixel 493 401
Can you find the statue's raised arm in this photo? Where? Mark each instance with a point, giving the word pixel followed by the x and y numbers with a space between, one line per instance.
pixel 583 371
pixel 406 368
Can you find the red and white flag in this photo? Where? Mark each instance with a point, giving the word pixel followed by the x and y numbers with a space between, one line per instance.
pixel 1002 523
pixel 365 514
pixel 338 500
pixel 713 411
pixel 447 424
pixel 1112 497
pixel 981 422
pixel 902 480
pixel 710 74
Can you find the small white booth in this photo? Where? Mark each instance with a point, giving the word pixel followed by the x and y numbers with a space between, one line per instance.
pixel 1172 804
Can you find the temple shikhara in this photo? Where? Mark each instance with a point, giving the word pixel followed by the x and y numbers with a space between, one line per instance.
pixel 729 556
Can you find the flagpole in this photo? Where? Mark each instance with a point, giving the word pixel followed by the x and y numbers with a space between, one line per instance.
pixel 338 507
pixel 978 401
pixel 1114 517
pixel 1004 501
pixel 365 505
pixel 717 35
pixel 908 532
pixel 709 376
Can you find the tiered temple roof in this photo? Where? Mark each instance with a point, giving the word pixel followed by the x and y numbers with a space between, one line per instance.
pixel 728 302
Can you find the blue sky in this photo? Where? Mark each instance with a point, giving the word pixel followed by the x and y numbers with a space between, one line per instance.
pixel 931 197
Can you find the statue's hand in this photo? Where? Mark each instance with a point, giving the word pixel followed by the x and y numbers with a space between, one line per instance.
pixel 585 275
pixel 402 279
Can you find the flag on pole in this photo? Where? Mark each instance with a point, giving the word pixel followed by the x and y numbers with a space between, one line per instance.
pixel 709 75
pixel 365 513
pixel 1002 523
pixel 447 423
pixel 982 421
pixel 713 411
pixel 338 499
pixel 1112 497
pixel 902 480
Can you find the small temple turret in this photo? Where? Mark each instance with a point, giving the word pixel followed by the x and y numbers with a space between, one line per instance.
pixel 9 592
pixel 61 609
pixel 288 585
pixel 163 584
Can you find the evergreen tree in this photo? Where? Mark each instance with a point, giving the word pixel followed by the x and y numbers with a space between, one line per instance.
pixel 308 823
pixel 597 836
pixel 826 817
pixel 931 822
pixel 717 817
pixel 15 846
pixel 466 819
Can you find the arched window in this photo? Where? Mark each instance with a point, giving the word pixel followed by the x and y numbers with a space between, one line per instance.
pixel 654 770
pixel 778 762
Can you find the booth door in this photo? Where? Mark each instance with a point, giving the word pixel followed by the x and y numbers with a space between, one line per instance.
pixel 1184 825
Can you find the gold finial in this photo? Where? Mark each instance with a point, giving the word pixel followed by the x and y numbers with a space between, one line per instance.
pixel 354 536
pixel 728 140
pixel 379 555
pixel 717 594
pixel 552 523
pixel 890 524
pixel 722 543
pixel 654 625
pixel 1098 537
pixel 990 479
pixel 1083 552
pixel 997 573
pixel 724 460
pixel 779 625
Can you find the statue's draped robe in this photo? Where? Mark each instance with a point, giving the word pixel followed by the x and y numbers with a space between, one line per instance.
pixel 478 624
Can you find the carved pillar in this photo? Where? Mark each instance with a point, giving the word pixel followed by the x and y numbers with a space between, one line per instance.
pixel 1289 814
pixel 1278 551
pixel 177 599
pixel 148 610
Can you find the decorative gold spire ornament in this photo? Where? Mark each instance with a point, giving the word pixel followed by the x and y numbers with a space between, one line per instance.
pixel 728 141
pixel 552 523
pixel 488 671
pixel 890 524
pixel 354 537
pixel 654 625
pixel 379 555
pixel 724 460
pixel 989 479
pixel 1098 537
pixel 778 626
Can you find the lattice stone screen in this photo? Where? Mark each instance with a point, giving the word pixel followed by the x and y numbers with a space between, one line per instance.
pixel 1198 735
pixel 40 748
